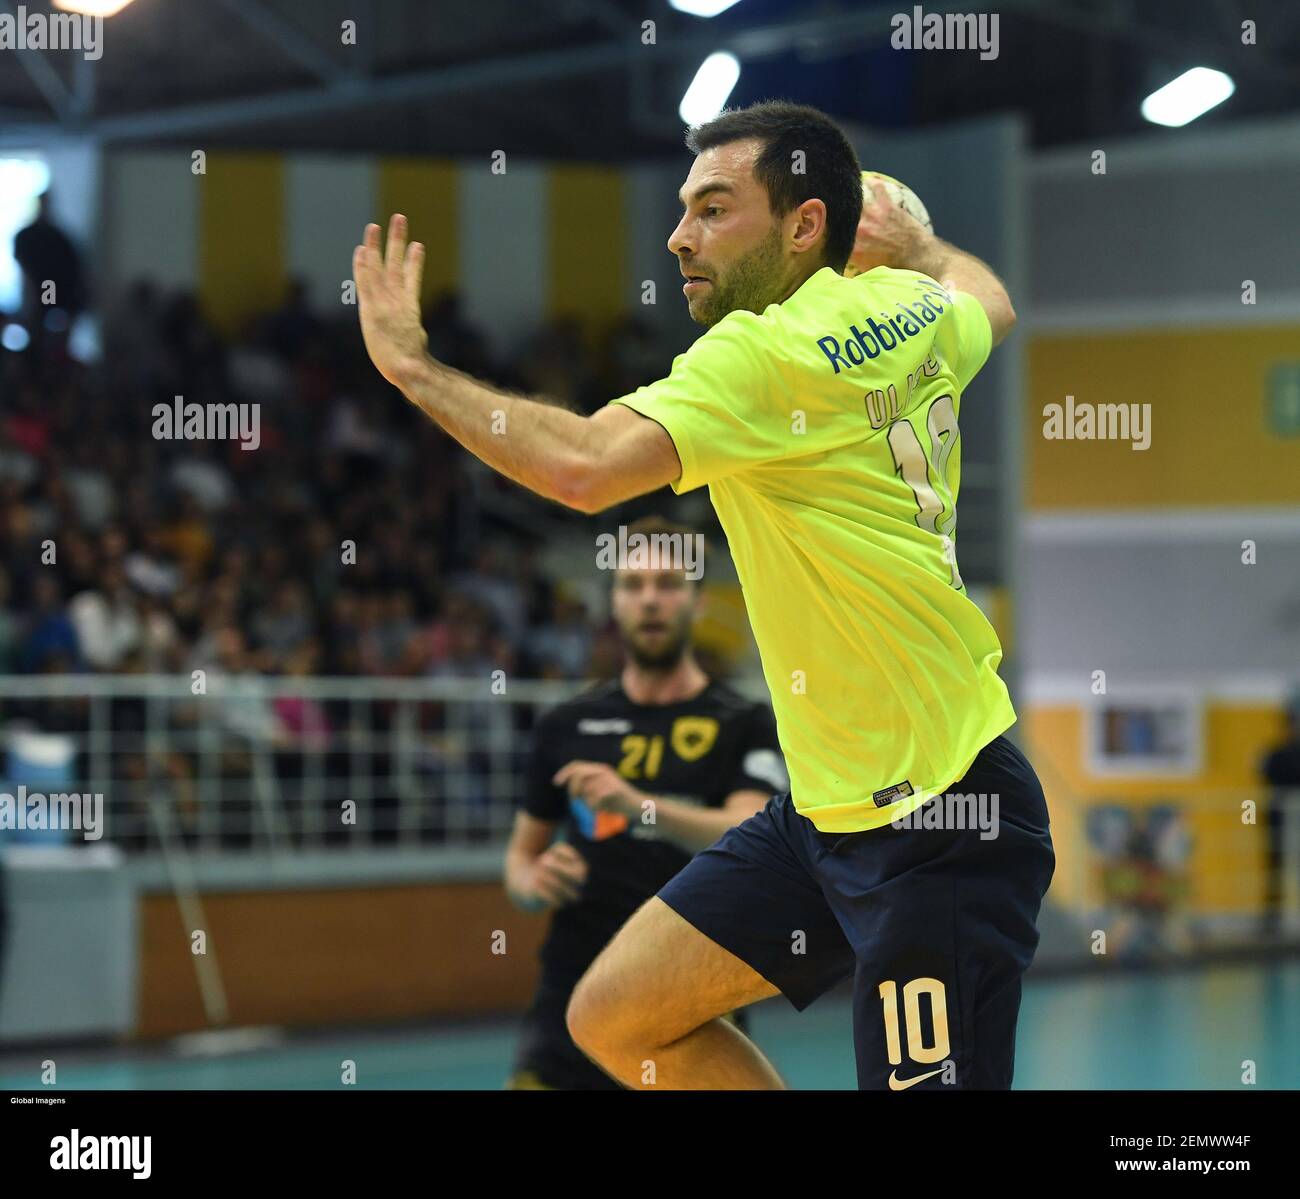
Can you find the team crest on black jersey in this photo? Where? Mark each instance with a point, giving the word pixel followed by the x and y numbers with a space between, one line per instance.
pixel 693 736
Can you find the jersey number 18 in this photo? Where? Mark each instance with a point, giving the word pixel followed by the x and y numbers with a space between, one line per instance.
pixel 936 513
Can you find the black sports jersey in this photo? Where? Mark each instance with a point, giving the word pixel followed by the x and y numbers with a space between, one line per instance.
pixel 699 751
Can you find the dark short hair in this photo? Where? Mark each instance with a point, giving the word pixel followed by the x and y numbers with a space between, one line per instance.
pixel 830 166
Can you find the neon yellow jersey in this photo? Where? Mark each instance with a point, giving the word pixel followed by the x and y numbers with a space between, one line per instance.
pixel 826 431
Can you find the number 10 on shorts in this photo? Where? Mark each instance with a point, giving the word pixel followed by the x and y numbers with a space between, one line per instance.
pixel 917 1050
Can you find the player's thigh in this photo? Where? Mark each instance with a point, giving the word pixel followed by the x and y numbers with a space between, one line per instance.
pixel 742 921
pixel 659 979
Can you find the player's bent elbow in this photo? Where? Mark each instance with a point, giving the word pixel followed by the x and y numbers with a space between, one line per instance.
pixel 580 486
pixel 1003 319
pixel 573 485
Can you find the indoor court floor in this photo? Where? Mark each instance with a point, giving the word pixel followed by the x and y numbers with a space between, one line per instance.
pixel 1177 1030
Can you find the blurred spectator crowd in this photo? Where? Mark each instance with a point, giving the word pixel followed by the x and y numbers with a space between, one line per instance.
pixel 356 539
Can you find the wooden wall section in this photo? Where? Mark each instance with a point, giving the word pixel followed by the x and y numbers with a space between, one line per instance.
pixel 338 956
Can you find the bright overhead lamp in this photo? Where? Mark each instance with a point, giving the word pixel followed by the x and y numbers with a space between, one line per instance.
pixel 702 8
pixel 1189 96
pixel 92 8
pixel 708 93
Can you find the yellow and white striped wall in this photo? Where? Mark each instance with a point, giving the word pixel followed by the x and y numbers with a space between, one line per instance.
pixel 1134 565
pixel 1174 568
pixel 536 241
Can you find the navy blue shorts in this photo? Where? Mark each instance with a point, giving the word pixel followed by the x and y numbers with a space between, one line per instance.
pixel 935 922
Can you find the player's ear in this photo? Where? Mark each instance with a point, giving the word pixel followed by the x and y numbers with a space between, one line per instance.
pixel 810 223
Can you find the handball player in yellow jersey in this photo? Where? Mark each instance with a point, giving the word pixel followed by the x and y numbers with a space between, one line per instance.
pixel 822 413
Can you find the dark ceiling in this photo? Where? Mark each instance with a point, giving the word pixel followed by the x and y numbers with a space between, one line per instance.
pixel 573 79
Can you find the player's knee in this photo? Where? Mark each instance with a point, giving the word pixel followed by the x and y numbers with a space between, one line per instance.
pixel 590 1017
pixel 602 1021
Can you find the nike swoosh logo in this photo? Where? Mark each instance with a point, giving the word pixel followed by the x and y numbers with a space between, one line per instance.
pixel 901 1084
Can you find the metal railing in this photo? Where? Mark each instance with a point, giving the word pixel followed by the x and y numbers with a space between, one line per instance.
pixel 250 763
pixel 236 778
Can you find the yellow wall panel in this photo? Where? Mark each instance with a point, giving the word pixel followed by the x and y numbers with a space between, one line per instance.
pixel 1211 443
pixel 428 194
pixel 241 238
pixel 586 230
pixel 1226 867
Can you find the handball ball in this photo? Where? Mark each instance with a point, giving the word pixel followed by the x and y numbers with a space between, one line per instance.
pixel 900 194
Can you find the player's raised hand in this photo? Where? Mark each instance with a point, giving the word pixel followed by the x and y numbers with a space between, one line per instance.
pixel 388 298
pixel 887 235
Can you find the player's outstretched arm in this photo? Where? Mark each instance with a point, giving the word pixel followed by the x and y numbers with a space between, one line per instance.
pixel 587 463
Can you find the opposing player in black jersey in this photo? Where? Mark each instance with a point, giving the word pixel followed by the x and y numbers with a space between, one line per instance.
pixel 641 772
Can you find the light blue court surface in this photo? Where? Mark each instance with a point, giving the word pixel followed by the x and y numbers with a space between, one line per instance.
pixel 1183 1030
